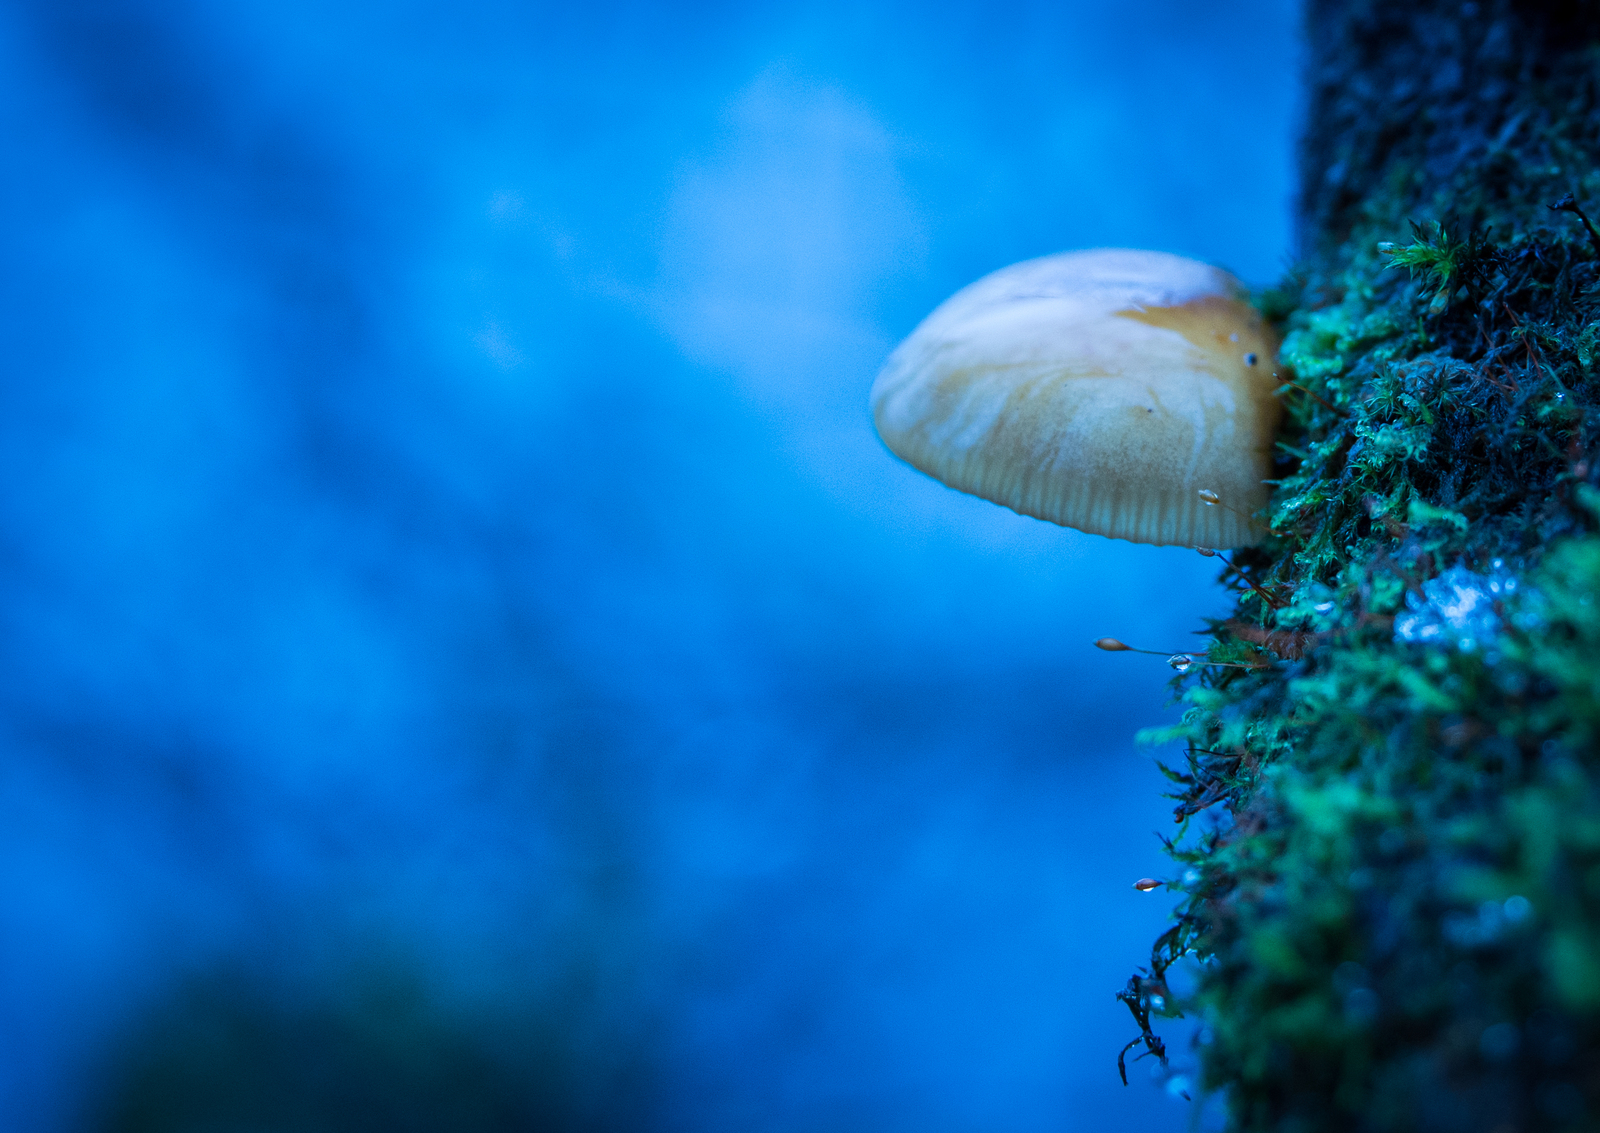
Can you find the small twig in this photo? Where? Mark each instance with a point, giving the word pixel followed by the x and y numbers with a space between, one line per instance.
pixel 1133 996
pixel 1320 400
pixel 1508 390
pixel 1272 603
pixel 1122 1065
pixel 1527 341
pixel 1569 203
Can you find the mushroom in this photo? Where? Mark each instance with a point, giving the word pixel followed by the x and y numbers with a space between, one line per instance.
pixel 1123 393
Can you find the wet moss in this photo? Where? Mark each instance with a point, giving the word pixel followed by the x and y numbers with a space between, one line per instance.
pixel 1389 821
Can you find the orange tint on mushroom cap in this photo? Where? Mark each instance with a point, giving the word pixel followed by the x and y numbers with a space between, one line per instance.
pixel 1101 390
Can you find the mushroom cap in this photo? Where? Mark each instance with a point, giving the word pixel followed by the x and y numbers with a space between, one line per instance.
pixel 1101 390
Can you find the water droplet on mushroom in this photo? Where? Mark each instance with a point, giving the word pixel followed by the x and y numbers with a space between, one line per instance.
pixel 1180 662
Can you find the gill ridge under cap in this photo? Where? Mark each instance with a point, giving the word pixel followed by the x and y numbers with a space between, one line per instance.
pixel 1101 390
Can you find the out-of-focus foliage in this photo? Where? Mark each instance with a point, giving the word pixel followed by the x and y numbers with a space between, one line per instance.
pixel 1393 903
pixel 235 1053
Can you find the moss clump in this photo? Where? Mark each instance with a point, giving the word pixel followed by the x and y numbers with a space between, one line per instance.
pixel 1394 893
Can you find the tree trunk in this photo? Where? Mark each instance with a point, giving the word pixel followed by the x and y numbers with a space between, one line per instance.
pixel 1391 813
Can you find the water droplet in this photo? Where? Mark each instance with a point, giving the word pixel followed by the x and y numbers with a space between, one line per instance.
pixel 1250 359
pixel 1180 662
pixel 1157 1002
pixel 1210 498
pixel 1111 645
pixel 1458 607
pixel 1323 607
pixel 1145 884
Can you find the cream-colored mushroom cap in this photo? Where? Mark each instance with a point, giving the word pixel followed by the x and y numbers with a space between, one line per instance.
pixel 1103 390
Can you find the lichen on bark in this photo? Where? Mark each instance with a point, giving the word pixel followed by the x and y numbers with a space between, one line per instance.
pixel 1389 819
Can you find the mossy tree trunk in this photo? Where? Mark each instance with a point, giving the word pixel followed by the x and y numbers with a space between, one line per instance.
pixel 1390 846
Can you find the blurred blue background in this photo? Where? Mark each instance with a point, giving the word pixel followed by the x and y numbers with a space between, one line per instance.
pixel 454 600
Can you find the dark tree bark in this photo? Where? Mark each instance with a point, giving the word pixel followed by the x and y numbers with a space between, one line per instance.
pixel 1407 100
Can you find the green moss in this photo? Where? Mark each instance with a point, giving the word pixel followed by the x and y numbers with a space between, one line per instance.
pixel 1389 845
